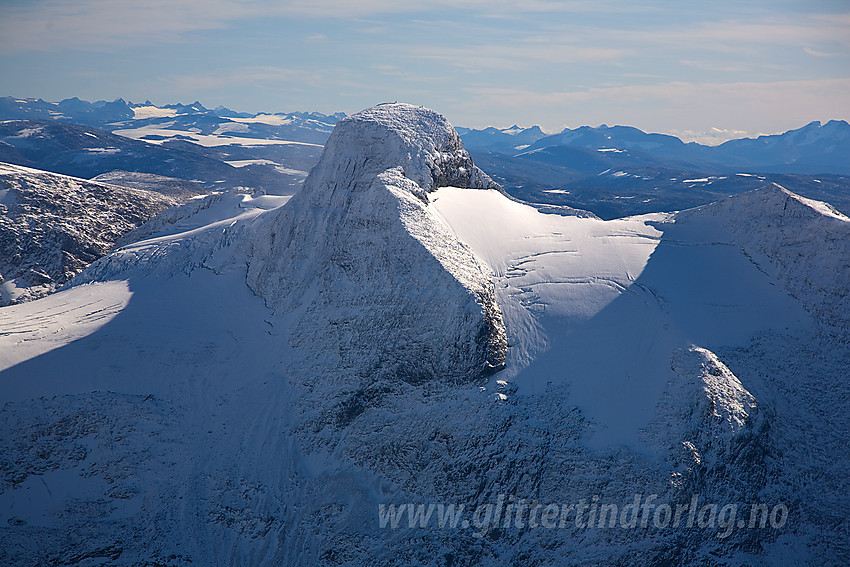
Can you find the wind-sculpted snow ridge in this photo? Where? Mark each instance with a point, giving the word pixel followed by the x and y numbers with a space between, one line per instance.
pixel 379 284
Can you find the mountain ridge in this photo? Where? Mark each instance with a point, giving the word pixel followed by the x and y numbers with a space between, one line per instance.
pixel 53 226
pixel 261 379
pixel 611 171
pixel 800 148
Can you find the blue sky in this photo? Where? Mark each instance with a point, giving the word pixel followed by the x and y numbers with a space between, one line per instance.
pixel 700 70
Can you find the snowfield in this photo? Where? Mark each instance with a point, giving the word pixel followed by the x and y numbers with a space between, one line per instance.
pixel 613 300
pixel 247 379
pixel 32 329
pixel 224 136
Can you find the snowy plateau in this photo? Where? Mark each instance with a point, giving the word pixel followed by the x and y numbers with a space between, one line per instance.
pixel 250 379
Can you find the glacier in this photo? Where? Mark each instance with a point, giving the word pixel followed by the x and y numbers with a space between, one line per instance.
pixel 248 379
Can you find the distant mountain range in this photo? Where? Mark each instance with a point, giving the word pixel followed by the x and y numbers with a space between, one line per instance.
pixel 619 170
pixel 297 126
pixel 219 148
pixel 612 171
pixel 814 148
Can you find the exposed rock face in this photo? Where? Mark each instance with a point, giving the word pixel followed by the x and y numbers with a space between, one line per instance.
pixel 383 288
pixel 418 139
pixel 707 417
pixel 53 226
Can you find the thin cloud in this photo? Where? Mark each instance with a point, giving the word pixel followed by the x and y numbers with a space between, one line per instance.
pixel 255 76
pixel 732 35
pixel 724 67
pixel 667 106
pixel 484 8
pixel 48 25
pixel 95 24
pixel 500 56
pixel 713 136
pixel 815 53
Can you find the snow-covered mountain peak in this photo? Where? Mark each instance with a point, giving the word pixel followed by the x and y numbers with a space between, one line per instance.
pixel 795 239
pixel 357 264
pixel 359 252
pixel 417 139
pixel 770 202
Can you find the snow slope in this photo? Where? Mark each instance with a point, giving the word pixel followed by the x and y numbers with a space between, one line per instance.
pixel 34 328
pixel 52 226
pixel 264 375
pixel 800 242
pixel 613 300
pixel 157 133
